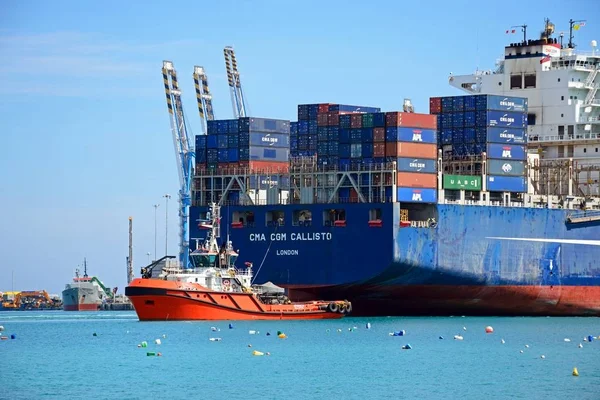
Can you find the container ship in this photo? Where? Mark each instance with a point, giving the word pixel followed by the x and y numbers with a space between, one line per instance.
pixel 485 206
pixel 85 293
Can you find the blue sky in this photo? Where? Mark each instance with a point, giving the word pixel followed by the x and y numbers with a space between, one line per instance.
pixel 84 128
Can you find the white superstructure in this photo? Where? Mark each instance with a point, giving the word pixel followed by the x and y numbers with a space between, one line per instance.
pixel 562 86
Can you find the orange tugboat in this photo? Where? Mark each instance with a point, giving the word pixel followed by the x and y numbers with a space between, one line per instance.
pixel 214 289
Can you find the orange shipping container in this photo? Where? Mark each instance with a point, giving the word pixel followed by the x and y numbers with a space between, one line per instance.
pixel 424 121
pixel 378 149
pixel 406 149
pixel 378 135
pixel 265 166
pixel 416 179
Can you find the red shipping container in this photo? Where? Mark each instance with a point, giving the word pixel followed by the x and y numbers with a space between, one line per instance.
pixel 424 121
pixel 323 108
pixel 378 135
pixel 435 105
pixel 356 121
pixel 416 179
pixel 265 166
pixel 407 149
pixel 378 149
pixel 322 119
pixel 333 118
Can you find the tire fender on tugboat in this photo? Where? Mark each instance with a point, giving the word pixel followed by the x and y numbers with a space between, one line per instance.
pixel 332 307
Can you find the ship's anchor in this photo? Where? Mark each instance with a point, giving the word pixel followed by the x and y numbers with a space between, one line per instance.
pixel 431 222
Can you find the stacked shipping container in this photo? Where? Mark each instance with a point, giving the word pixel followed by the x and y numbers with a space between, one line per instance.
pixel 497 125
pixel 254 144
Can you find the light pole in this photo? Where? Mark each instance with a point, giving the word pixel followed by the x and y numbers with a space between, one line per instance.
pixel 148 254
pixel 155 207
pixel 167 196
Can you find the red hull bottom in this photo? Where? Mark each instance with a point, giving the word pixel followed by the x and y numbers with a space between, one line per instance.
pixel 463 300
pixel 80 307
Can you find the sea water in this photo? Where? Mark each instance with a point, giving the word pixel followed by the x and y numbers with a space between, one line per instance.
pixel 56 355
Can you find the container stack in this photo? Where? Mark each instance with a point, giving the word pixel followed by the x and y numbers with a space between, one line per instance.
pixel 319 129
pixel 410 141
pixel 497 125
pixel 256 145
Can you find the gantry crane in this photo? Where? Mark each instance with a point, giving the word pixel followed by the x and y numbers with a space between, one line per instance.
pixel 185 156
pixel 235 86
pixel 203 97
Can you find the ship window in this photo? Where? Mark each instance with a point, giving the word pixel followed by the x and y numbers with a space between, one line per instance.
pixel 585 150
pixel 530 81
pixel 562 97
pixel 275 218
pixel 559 79
pixel 516 82
pixel 596 149
pixel 561 131
pixel 562 115
pixel 302 218
pixel 499 83
pixel 242 218
pixel 375 214
pixel 571 130
pixel 334 217
pixel 530 119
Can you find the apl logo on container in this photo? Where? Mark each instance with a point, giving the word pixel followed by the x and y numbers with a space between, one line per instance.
pixel 506 168
pixel 507 119
pixel 416 196
pixel 506 152
pixel 417 136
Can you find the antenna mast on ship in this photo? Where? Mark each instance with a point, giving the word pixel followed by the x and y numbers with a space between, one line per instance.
pixel 524 30
pixel 571 25
pixel 85 275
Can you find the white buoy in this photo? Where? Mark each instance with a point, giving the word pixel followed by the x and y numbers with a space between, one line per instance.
pixel 368 325
pixel 458 337
pixel 164 336
pixel 213 328
pixel 580 346
pixel 527 346
pixel 1 328
pixel 502 341
pixel 520 351
pixel 252 332
pixel 567 340
pixel 464 328
pixel 215 339
pixel 157 341
pixel 543 357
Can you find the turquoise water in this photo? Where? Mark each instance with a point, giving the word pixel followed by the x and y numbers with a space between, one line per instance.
pixel 55 355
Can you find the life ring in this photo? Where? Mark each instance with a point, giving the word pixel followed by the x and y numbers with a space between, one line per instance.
pixel 348 308
pixel 332 307
pixel 226 282
pixel 342 308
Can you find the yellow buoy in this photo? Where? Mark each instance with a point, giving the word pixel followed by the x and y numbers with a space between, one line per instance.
pixel 575 372
pixel 257 353
pixel 281 336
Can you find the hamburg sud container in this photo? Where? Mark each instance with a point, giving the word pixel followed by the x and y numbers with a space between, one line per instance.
pixel 411 141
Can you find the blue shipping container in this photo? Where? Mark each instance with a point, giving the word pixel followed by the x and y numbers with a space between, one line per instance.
pixel 356 135
pixel 367 135
pixel 212 155
pixel 344 164
pixel 200 155
pixel 405 164
pixel 506 167
pixel 416 195
pixel 458 103
pixel 302 127
pixel 233 140
pixel 470 118
pixel 223 156
pixel 507 135
pixel 367 150
pixel 506 184
pixel 269 181
pixel 293 128
pixel 402 134
pixel 446 136
pixel 334 148
pixel 503 119
pixel 212 142
pixel 222 141
pixel 233 155
pixel 470 103
pixel 356 150
pixel 506 151
pixel 201 141
pixel 447 104
pixel 344 108
pixel 269 139
pixel 501 103
pixel 469 135
pixel 269 154
pixel 344 135
pixel 378 120
pixel 323 149
pixel 344 150
pixel 211 127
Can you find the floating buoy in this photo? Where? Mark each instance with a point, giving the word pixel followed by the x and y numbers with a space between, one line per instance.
pixel 215 339
pixel 489 329
pixel 502 341
pixel 13 336
pixel 144 344
pixel 520 351
pixel 339 330
pixel 464 328
pixel 158 354
pixel 406 347
pixel 157 341
pixel 257 353
pixel 567 340
pixel 1 328
pixel 368 326
pixel 230 326
pixel 268 353
pixel 458 337
pixel 139 345
pixel 398 333
pixel 150 353
pixel 543 357
pixel 252 332
pixel 164 336
pixel 575 372
pixel 95 334
pixel 527 346
pixel 249 345
pixel 3 337
pixel 213 328
pixel 441 337
pixel 282 336
pixel 268 333
pixel 580 346
pixel 590 338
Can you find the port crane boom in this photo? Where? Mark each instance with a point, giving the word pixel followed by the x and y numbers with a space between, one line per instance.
pixel 184 154
pixel 203 97
pixel 235 86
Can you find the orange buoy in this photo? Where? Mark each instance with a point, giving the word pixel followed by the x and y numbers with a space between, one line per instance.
pixel 489 329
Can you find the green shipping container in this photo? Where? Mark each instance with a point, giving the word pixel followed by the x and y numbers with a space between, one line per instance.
pixel 462 182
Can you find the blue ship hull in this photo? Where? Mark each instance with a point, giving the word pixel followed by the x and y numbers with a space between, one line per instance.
pixel 449 259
